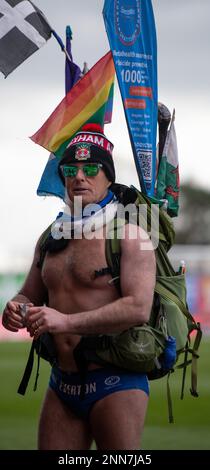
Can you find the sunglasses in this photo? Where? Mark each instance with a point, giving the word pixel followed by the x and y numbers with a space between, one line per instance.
pixel 90 169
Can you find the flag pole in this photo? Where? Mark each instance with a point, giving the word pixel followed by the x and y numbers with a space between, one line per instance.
pixel 172 119
pixel 61 44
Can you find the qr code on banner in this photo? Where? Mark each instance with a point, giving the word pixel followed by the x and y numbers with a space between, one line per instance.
pixel 145 160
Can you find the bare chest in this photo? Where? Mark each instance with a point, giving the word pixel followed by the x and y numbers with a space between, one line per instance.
pixel 75 265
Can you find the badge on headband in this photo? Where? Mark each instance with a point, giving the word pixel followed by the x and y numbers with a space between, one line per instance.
pixel 82 152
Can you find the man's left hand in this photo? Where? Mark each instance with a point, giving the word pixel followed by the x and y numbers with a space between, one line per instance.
pixel 44 319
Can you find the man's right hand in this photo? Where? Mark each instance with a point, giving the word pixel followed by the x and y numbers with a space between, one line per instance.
pixel 12 319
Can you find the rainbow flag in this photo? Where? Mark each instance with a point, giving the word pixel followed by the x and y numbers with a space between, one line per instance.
pixel 87 101
pixel 109 106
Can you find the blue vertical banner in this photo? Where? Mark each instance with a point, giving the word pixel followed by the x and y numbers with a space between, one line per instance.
pixel 130 27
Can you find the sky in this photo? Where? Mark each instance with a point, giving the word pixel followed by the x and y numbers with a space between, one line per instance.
pixel 30 93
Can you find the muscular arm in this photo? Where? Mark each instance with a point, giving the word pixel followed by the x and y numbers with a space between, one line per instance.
pixel 33 289
pixel 133 308
pixel 32 292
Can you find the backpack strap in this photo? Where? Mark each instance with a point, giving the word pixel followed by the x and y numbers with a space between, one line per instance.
pixel 168 295
pixel 44 348
pixel 192 361
pixel 85 352
pixel 169 399
pixel 30 362
pixel 113 250
pixel 43 246
pixel 195 356
pixel 28 369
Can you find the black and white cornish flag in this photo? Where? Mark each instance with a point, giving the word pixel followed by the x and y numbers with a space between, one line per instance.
pixel 23 30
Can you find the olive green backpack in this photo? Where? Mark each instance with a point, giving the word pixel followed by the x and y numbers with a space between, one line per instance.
pixel 153 348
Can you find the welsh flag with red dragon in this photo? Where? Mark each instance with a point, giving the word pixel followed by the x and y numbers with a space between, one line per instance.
pixel 168 184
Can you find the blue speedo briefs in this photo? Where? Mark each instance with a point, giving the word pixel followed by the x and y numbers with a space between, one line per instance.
pixel 98 384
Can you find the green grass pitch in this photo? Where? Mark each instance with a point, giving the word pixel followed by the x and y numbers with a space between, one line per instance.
pixel 19 415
